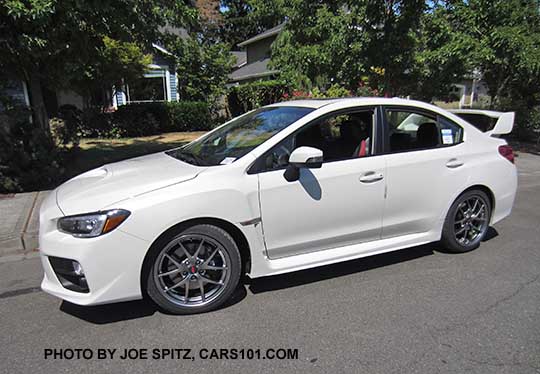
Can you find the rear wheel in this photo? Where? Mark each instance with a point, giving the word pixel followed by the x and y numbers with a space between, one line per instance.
pixel 467 222
pixel 195 271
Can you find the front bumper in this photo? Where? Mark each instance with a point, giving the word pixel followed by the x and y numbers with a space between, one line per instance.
pixel 112 263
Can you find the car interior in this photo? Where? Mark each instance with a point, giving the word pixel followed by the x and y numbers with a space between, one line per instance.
pixel 340 137
pixel 411 131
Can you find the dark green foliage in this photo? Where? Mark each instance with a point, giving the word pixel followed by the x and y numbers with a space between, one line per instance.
pixel 147 119
pixel 29 159
pixel 243 19
pixel 188 116
pixel 249 96
pixel 65 129
pixel 69 43
pixel 202 69
pixel 342 42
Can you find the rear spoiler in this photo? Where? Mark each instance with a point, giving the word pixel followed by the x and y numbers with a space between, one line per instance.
pixel 504 121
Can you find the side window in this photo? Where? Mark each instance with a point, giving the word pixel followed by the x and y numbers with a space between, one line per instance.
pixel 410 131
pixel 451 133
pixel 340 137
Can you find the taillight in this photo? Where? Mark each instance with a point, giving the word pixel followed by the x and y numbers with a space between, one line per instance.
pixel 507 152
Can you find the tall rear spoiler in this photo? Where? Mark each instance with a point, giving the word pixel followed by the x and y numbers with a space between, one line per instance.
pixel 504 124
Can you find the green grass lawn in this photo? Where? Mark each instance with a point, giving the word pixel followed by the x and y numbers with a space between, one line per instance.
pixel 93 153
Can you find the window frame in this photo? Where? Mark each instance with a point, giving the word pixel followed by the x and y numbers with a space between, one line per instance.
pixel 413 110
pixel 156 71
pixel 258 165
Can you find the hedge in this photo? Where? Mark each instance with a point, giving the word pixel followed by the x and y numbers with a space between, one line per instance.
pixel 147 119
pixel 249 96
pixel 29 160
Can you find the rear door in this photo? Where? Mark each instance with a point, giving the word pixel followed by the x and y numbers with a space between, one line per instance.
pixel 425 166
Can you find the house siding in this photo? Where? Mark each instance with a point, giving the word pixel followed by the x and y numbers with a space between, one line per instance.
pixel 173 90
pixel 162 61
pixel 259 50
pixel 120 97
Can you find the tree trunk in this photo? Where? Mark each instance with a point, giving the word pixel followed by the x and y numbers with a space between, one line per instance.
pixel 39 112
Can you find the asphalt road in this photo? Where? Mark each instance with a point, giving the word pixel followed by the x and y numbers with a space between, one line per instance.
pixel 413 311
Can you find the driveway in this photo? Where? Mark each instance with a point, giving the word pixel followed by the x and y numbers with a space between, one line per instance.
pixel 416 310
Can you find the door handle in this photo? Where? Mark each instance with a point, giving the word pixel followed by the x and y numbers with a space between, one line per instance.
pixel 454 163
pixel 371 177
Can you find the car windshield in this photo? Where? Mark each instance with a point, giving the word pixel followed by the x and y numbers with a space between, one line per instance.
pixel 239 137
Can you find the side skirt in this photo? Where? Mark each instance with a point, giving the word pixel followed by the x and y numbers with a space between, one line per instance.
pixel 262 266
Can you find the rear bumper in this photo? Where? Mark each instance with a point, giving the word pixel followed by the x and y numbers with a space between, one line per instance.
pixel 505 195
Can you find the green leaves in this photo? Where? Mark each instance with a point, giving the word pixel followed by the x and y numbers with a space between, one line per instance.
pixel 67 43
pixel 31 10
pixel 202 69
pixel 411 48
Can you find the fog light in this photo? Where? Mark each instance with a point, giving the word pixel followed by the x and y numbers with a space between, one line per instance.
pixel 70 274
pixel 77 268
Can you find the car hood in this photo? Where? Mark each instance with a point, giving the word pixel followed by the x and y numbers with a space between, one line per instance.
pixel 111 183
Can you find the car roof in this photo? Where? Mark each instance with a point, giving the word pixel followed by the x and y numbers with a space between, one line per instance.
pixel 319 103
pixel 342 103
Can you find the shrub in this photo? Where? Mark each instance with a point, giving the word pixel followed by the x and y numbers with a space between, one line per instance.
pixel 139 119
pixel 66 128
pixel 147 119
pixel 29 159
pixel 188 116
pixel 529 125
pixel 249 96
pixel 527 121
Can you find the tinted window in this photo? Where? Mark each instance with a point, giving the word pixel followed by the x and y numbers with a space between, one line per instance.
pixel 340 137
pixel 409 130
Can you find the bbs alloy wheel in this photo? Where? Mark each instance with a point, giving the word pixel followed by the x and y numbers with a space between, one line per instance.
pixel 467 222
pixel 195 271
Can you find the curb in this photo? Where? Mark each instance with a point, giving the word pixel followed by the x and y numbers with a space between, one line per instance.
pixel 19 223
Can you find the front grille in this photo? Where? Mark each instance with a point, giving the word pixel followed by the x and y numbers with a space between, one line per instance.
pixel 71 278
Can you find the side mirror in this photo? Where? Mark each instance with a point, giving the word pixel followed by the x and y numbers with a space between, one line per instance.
pixel 302 157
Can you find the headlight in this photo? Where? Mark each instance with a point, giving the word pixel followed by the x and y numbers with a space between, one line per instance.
pixel 92 224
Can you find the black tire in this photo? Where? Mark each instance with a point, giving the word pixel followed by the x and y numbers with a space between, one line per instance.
pixel 455 235
pixel 170 300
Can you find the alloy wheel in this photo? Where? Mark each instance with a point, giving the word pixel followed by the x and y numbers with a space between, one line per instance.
pixel 470 221
pixel 192 270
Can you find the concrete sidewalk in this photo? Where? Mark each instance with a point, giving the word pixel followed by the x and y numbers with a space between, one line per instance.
pixel 19 223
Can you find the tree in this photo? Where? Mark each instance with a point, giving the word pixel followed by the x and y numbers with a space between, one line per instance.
pixel 45 42
pixel 202 68
pixel 114 63
pixel 318 45
pixel 442 57
pixel 243 19
pixel 504 36
pixel 210 21
pixel 342 42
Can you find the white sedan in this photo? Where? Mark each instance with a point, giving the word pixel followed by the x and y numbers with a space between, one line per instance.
pixel 286 187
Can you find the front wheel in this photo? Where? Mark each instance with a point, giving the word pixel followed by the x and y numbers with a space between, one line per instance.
pixel 195 271
pixel 467 222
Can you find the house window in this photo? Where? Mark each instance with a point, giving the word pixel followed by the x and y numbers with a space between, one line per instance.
pixel 153 87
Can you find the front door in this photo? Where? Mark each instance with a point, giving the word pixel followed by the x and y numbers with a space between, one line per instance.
pixel 339 204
